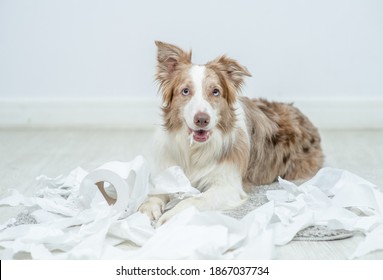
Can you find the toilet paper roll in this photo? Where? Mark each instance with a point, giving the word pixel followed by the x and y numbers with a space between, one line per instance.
pixel 98 177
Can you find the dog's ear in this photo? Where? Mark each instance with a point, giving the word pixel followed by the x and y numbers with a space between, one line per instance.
pixel 231 69
pixel 168 58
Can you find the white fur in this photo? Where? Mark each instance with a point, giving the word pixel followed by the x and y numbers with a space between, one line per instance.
pixel 198 103
pixel 241 118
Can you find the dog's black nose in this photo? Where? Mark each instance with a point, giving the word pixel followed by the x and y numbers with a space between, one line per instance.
pixel 201 119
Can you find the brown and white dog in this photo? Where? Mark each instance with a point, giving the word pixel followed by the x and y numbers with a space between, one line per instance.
pixel 225 142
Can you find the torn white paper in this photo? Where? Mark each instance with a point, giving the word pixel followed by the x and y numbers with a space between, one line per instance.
pixel 74 221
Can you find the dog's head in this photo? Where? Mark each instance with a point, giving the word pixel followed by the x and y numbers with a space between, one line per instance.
pixel 198 98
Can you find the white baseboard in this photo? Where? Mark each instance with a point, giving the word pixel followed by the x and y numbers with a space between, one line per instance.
pixel 344 114
pixel 145 114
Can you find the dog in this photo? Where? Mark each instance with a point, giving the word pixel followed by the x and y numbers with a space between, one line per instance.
pixel 224 142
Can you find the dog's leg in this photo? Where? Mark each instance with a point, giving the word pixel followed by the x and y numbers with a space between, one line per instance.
pixel 219 197
pixel 154 206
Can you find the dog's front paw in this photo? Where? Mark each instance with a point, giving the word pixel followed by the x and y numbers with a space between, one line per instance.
pixel 153 207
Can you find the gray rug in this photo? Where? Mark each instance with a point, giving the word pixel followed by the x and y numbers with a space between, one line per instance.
pixel 257 197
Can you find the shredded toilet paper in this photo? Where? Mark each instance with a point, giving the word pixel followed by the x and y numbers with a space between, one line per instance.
pixel 69 218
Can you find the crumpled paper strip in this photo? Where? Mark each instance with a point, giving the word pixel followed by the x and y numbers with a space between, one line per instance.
pixel 69 220
pixel 206 235
pixel 348 192
pixel 80 225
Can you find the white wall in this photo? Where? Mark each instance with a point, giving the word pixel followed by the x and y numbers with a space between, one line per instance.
pixel 87 49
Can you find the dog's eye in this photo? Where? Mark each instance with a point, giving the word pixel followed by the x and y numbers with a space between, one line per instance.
pixel 185 91
pixel 216 92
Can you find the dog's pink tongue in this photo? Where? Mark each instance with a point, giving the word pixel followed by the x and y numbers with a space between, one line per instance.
pixel 200 135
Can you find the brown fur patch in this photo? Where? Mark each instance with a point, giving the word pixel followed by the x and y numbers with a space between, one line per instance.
pixel 223 103
pixel 283 142
pixel 174 101
pixel 172 61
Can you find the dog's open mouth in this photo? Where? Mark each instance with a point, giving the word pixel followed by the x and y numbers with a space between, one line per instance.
pixel 200 135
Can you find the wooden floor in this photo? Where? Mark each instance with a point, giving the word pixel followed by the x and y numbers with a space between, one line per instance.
pixel 27 153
